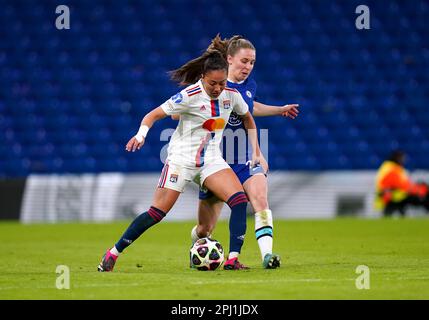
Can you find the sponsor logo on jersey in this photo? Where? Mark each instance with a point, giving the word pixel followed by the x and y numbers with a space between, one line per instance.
pixel 203 108
pixel 234 120
pixel 177 98
pixel 214 124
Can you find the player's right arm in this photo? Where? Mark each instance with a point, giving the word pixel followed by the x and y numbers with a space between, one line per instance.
pixel 176 105
pixel 137 141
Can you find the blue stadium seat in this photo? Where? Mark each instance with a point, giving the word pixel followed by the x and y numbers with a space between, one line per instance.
pixel 70 100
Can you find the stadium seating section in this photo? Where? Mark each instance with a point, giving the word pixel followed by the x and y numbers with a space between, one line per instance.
pixel 71 99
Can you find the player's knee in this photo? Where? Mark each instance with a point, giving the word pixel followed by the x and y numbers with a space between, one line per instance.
pixel 259 202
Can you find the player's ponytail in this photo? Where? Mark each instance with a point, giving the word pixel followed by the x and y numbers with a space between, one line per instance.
pixel 230 47
pixel 190 72
pixel 219 45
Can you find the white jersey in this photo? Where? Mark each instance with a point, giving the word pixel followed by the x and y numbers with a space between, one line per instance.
pixel 198 135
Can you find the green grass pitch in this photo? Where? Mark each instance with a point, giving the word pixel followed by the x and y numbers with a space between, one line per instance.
pixel 319 260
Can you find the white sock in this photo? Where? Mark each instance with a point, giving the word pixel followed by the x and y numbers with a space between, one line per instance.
pixel 115 251
pixel 233 254
pixel 194 235
pixel 264 231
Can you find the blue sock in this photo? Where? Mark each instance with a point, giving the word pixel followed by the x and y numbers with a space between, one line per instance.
pixel 237 221
pixel 138 226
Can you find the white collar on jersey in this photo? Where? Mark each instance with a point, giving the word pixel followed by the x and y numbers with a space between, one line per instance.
pixel 200 83
pixel 240 82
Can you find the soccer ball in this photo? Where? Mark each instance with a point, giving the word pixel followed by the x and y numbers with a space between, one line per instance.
pixel 206 254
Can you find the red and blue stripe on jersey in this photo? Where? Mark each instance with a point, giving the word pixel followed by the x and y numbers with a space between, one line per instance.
pixel 215 108
pixel 199 159
pixel 232 90
pixel 163 177
pixel 193 91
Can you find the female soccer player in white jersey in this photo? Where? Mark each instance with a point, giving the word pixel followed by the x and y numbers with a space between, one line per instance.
pixel 241 56
pixel 193 154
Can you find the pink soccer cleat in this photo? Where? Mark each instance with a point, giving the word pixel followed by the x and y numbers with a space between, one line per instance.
pixel 107 262
pixel 234 264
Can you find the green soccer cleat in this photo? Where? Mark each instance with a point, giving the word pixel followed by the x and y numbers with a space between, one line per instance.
pixel 271 261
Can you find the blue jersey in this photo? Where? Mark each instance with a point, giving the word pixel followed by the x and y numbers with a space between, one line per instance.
pixel 241 151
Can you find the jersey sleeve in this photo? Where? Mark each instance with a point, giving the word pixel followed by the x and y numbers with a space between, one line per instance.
pixel 240 106
pixel 177 104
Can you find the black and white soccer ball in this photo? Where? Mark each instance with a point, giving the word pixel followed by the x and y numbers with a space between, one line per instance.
pixel 206 254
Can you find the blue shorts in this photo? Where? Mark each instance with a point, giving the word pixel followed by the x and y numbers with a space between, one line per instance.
pixel 243 172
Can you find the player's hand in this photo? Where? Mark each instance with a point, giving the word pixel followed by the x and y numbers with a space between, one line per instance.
pixel 264 164
pixel 290 111
pixel 256 159
pixel 134 145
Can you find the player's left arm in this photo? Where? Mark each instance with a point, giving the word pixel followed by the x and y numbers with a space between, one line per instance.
pixel 250 125
pixel 264 110
pixel 242 110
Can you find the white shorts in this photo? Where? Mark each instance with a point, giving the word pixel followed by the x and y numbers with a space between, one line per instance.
pixel 176 177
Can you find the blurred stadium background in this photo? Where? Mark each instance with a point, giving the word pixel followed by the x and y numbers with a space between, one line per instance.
pixel 71 99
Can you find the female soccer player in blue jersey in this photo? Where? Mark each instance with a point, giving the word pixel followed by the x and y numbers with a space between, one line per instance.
pixel 193 153
pixel 241 56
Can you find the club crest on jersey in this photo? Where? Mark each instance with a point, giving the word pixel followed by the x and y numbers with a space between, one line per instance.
pixel 226 104
pixel 174 177
pixel 248 93
pixel 177 98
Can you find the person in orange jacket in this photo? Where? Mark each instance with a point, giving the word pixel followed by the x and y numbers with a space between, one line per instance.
pixel 395 191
